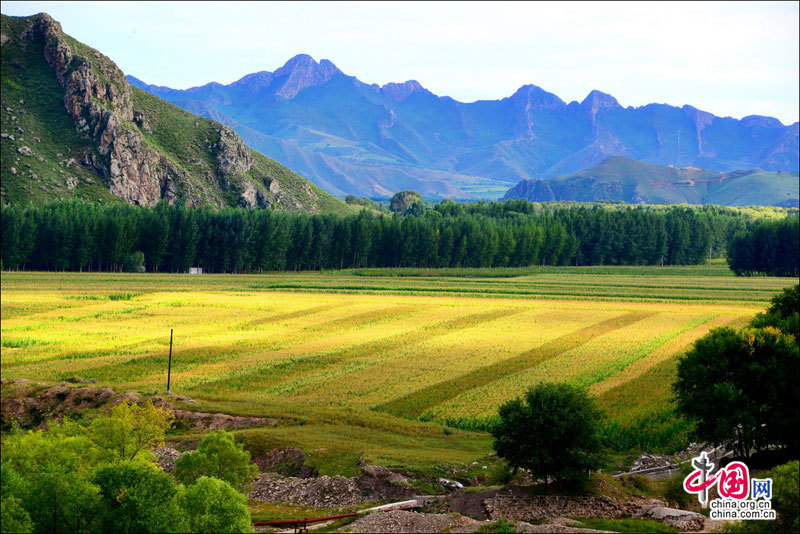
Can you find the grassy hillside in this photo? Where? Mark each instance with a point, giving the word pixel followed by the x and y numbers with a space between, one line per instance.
pixel 619 178
pixel 69 131
pixel 33 116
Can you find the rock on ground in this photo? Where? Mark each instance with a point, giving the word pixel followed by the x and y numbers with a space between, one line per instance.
pixel 374 484
pixel 399 521
pixel 166 457
pixel 680 519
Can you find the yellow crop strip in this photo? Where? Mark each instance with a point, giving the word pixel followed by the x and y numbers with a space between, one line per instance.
pixel 342 344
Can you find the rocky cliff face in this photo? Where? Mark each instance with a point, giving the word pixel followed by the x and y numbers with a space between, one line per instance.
pixel 98 99
pixel 124 134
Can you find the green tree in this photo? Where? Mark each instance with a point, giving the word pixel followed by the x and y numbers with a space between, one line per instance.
pixel 740 388
pixel 54 485
pixel 553 432
pixel 14 516
pixel 403 201
pixel 784 312
pixel 138 497
pixel 219 456
pixel 131 430
pixel 213 505
pixel 134 263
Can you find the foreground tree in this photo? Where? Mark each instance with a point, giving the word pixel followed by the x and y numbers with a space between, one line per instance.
pixel 740 388
pixel 219 456
pixel 783 313
pixel 138 497
pixel 98 476
pixel 553 432
pixel 212 505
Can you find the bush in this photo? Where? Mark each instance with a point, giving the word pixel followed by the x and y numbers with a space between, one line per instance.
pixel 784 313
pixel 786 497
pixel 219 456
pixel 212 505
pixel 785 501
pixel 553 432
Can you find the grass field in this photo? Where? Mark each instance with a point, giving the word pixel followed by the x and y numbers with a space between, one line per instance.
pixel 373 362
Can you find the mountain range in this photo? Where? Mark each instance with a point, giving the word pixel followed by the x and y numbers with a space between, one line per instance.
pixel 73 127
pixel 618 178
pixel 350 137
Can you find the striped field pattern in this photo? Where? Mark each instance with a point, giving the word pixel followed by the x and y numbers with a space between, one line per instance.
pixel 416 347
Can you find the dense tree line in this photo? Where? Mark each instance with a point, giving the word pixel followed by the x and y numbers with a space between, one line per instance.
pixel 770 247
pixel 78 236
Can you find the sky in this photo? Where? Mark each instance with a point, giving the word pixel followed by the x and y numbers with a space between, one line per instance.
pixel 728 58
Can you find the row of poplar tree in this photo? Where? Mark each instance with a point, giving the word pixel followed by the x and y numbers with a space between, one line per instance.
pixel 770 247
pixel 81 236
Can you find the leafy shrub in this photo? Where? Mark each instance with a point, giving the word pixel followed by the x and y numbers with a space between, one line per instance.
pixel 785 501
pixel 219 456
pixel 212 505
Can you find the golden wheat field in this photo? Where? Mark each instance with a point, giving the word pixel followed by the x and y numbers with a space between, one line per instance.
pixel 448 351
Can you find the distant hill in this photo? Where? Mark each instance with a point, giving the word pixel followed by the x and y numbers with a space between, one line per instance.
pixel 619 178
pixel 350 137
pixel 72 127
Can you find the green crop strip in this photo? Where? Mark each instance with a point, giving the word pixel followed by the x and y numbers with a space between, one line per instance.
pixel 415 404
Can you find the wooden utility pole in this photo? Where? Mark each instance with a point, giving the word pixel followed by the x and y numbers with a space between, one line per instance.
pixel 169 365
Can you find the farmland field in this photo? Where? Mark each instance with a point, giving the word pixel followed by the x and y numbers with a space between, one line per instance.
pixel 373 362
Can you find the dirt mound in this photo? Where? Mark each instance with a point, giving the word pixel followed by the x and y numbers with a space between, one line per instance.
pixel 31 405
pixel 322 492
pixel 216 421
pixel 385 483
pixel 374 484
pixel 521 504
pixel 286 461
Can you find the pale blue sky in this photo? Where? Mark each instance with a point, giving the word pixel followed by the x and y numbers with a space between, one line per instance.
pixel 731 59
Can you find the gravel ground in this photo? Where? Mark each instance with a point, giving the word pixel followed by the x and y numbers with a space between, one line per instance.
pixel 402 522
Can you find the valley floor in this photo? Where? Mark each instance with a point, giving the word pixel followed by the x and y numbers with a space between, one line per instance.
pixel 369 365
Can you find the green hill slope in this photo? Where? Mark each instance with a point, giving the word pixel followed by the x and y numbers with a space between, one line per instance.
pixel 72 127
pixel 618 178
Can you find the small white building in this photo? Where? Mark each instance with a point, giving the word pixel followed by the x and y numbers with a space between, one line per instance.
pixel 195 270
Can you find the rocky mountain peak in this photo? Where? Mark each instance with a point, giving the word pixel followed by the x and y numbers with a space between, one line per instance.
pixel 761 121
pixel 535 97
pixel 597 100
pixel 301 72
pixel 400 91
